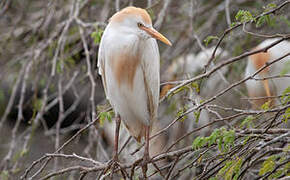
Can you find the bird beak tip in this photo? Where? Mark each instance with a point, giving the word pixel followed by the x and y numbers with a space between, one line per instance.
pixel 155 34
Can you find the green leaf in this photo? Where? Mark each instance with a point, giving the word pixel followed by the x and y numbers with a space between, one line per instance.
pixel 97 35
pixel 195 86
pixel 248 121
pixel 220 144
pixel 183 88
pixel 266 105
pixel 286 115
pixel 231 169
pixel 208 39
pixel 58 66
pixel 105 116
pixel 228 138
pixel 268 165
pixel 246 140
pixel 285 98
pixel 196 115
pixel 261 21
pixel 181 112
pixel 224 169
pixel 233 24
pixel 213 137
pixel 271 21
pixel 198 142
pixel 276 174
pixel 269 7
pixel 286 68
pixel 244 16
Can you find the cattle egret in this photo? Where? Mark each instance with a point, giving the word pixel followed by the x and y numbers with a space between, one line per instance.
pixel 188 66
pixel 128 62
pixel 257 89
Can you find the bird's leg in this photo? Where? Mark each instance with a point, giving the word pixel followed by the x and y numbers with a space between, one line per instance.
pixel 116 145
pixel 146 157
pixel 114 162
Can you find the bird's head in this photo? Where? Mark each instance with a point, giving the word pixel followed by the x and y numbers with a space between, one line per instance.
pixel 137 21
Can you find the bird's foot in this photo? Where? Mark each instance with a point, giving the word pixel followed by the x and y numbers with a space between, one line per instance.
pixel 112 165
pixel 144 164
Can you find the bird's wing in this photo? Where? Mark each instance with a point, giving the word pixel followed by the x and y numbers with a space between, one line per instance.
pixel 101 64
pixel 150 67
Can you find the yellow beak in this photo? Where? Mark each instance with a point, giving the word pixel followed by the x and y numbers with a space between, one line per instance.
pixel 155 34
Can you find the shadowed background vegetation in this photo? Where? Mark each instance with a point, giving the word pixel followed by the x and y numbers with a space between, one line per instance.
pixel 50 91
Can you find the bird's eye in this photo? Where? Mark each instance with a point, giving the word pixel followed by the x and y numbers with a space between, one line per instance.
pixel 139 24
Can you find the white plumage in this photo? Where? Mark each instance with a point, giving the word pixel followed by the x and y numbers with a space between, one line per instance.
pixel 258 88
pixel 128 62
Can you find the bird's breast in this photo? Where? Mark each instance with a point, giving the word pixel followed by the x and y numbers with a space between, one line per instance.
pixel 260 59
pixel 124 66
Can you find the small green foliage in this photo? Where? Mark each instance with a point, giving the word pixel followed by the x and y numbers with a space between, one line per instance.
pixel 234 24
pixel 261 21
pixel 196 115
pixel 183 88
pixel 195 86
pixel 286 115
pixel 37 103
pixel 223 170
pixel 231 170
pixel 269 19
pixel 208 39
pixel 248 121
pixel 59 64
pixel 286 168
pixel 268 165
pixel 246 140
pixel 198 142
pixel 97 35
pixel 286 68
pixel 229 138
pixel 244 16
pixel 181 112
pixel 222 137
pixel 269 7
pixel 285 98
pixel 105 116
pixel 276 174
pixel 266 105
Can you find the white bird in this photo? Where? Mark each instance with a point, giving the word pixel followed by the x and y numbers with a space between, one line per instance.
pixel 128 62
pixel 188 66
pixel 268 87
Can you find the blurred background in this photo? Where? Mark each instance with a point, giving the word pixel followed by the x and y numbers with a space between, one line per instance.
pixel 50 88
